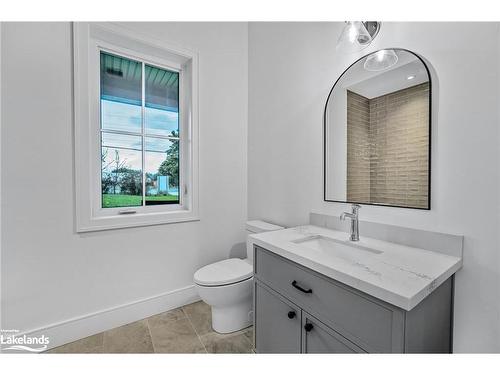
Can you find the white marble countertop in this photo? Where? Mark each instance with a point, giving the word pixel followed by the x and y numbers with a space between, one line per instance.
pixel 400 275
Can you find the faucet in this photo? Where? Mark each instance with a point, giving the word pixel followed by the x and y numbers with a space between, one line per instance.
pixel 354 221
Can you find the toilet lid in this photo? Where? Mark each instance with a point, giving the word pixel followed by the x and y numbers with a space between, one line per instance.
pixel 225 272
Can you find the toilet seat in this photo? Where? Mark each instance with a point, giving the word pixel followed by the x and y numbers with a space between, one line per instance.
pixel 225 272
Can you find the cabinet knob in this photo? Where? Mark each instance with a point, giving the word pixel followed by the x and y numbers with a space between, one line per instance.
pixel 308 327
pixel 291 314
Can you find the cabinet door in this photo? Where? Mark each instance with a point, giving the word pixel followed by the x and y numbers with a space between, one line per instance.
pixel 277 323
pixel 318 338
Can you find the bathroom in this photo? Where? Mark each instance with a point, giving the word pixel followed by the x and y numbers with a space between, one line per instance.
pixel 254 102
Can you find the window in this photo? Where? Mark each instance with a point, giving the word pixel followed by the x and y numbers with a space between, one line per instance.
pixel 139 133
pixel 135 130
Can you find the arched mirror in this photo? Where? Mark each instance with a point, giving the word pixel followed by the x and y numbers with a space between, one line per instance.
pixel 377 132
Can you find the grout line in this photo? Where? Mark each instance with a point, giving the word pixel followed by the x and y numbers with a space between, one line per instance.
pixel 196 332
pixel 194 329
pixel 151 336
pixel 103 341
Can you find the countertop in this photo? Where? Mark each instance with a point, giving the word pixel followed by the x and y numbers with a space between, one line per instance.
pixel 400 275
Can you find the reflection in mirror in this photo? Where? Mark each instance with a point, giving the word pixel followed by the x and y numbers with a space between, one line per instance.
pixel 377 132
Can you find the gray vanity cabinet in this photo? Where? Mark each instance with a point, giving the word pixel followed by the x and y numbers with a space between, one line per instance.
pixel 298 310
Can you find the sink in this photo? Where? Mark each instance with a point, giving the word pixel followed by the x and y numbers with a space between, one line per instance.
pixel 333 245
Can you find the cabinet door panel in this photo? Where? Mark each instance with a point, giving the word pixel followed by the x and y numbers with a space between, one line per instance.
pixel 318 338
pixel 277 323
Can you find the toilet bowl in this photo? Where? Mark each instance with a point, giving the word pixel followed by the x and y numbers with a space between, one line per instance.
pixel 227 286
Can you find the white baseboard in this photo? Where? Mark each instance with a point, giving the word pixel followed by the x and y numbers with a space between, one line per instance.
pixel 83 326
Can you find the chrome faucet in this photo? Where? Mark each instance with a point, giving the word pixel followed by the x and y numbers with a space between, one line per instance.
pixel 354 221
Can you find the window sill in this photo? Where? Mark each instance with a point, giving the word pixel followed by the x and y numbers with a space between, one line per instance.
pixel 135 220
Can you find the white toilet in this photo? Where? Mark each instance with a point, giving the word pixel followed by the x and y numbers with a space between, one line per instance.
pixel 227 286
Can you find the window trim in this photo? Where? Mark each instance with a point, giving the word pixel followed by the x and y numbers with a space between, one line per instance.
pixel 89 39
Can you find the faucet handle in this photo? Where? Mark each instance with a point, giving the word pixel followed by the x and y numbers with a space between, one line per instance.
pixel 355 208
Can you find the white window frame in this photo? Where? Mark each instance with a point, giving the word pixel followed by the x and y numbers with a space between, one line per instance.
pixel 89 40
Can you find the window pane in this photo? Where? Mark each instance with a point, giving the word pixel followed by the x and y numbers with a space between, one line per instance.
pixel 120 116
pixel 162 171
pixel 121 172
pixel 162 101
pixel 121 93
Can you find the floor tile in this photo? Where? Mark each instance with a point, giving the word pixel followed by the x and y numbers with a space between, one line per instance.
pixel 174 336
pixel 200 315
pixel 227 343
pixel 248 332
pixel 91 344
pixel 130 338
pixel 167 316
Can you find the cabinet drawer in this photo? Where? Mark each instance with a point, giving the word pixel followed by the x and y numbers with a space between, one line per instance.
pixel 372 324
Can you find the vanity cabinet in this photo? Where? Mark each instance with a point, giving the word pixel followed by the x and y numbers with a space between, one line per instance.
pixel 298 310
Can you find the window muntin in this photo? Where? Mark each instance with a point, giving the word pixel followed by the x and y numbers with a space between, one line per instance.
pixel 139 133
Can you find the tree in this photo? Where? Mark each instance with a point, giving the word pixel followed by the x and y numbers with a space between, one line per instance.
pixel 106 178
pixel 170 166
pixel 106 182
pixel 130 181
pixel 118 177
pixel 109 178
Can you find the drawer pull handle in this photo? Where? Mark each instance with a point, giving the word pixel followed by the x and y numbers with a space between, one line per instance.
pixel 297 286
pixel 308 327
pixel 291 314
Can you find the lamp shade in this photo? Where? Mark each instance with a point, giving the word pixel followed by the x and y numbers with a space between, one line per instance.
pixel 381 60
pixel 354 37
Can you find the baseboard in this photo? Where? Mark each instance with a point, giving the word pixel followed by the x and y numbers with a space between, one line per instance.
pixel 77 328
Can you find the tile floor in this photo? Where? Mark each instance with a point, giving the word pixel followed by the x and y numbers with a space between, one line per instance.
pixel 184 330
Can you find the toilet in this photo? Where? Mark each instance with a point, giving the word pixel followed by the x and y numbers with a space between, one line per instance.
pixel 227 286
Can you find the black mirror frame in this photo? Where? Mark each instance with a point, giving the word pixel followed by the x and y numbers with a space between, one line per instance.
pixel 430 136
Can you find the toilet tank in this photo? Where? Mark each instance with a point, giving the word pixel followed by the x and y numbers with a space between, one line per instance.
pixel 258 226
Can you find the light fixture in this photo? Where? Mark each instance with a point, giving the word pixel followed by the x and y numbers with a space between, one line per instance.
pixel 381 60
pixel 410 77
pixel 357 35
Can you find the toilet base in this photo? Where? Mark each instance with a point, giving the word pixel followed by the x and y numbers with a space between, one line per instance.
pixel 231 305
pixel 227 319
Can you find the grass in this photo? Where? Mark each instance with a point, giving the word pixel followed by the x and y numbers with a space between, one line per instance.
pixel 120 200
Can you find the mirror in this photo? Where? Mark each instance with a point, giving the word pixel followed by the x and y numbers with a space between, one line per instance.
pixel 377 132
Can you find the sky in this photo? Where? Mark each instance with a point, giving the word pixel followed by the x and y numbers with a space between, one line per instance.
pixel 127 117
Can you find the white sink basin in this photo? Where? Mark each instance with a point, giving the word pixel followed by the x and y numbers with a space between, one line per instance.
pixel 332 245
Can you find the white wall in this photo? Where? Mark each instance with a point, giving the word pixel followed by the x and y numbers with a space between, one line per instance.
pixel 50 273
pixel 292 67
